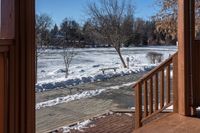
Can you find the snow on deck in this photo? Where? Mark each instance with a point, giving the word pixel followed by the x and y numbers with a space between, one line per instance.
pixel 79 126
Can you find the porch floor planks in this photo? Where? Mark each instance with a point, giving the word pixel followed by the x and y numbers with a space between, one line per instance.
pixel 116 123
pixel 172 123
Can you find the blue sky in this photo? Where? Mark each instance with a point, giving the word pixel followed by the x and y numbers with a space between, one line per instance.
pixel 75 9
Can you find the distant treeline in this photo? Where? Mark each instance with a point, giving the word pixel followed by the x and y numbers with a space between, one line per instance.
pixel 104 26
pixel 97 31
pixel 142 32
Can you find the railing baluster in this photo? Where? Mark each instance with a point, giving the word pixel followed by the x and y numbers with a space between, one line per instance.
pixel 138 105
pixel 151 96
pixel 154 86
pixel 156 91
pixel 161 88
pixel 168 84
pixel 145 99
pixel 175 84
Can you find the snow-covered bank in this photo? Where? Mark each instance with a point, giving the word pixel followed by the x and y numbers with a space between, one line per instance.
pixel 63 83
pixel 59 100
pixel 86 65
pixel 82 95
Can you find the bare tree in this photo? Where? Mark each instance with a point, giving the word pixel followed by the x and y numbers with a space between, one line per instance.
pixel 111 19
pixel 167 17
pixel 69 34
pixel 42 28
pixel 68 55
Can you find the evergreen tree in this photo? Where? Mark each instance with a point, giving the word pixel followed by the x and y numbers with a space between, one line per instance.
pixel 55 36
pixel 43 25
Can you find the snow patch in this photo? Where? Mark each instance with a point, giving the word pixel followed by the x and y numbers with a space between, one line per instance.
pixel 84 94
pixel 79 126
pixel 169 109
pixel 59 100
pixel 120 86
pixel 129 114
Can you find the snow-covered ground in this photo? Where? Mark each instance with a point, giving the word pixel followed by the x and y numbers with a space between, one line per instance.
pixel 78 96
pixel 87 64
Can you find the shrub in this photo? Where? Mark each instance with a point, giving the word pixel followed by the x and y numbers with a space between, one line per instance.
pixel 154 57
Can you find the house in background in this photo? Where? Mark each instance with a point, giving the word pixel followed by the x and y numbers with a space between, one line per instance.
pixel 154 93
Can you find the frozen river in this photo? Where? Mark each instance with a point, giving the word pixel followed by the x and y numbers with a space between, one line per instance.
pixel 86 65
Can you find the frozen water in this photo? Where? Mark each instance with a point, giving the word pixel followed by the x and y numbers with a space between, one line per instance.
pixel 87 64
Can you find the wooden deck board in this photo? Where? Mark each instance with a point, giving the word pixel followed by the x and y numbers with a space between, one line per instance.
pixel 109 123
pixel 172 123
pixel 112 124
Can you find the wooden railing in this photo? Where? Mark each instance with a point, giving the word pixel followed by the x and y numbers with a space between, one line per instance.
pixel 156 91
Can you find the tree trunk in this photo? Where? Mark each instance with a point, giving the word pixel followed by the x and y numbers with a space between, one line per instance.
pixel 67 72
pixel 121 58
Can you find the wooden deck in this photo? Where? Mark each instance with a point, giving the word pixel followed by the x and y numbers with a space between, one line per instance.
pixel 111 123
pixel 172 123
pixel 108 123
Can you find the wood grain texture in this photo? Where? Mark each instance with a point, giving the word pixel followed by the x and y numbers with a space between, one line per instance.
pixel 151 96
pixel 138 110
pixel 172 123
pixel 175 84
pixel 2 96
pixel 168 86
pixel 7 21
pixel 145 99
pixel 25 60
pixel 19 42
pixel 196 73
pixel 156 91
pixel 162 88
pixel 184 64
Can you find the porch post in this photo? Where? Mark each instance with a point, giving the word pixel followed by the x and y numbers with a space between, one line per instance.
pixel 184 48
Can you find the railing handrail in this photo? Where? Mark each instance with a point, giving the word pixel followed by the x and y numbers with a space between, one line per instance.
pixel 154 86
pixel 159 67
